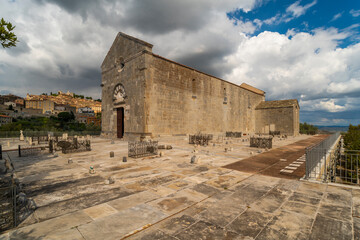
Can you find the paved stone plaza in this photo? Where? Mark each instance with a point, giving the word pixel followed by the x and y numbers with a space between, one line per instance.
pixel 169 198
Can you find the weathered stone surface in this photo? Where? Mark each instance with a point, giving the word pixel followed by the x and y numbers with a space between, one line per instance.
pixel 175 225
pixel 204 230
pixel 287 225
pixel 304 198
pixel 250 223
pixel 108 227
pixel 335 211
pixel 328 228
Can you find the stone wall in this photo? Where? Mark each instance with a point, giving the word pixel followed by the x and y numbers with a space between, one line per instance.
pixel 285 120
pixel 181 100
pixel 124 64
pixel 164 97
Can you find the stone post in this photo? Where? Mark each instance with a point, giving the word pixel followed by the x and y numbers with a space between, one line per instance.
pixel 64 136
pixel 51 146
pixel 21 135
pixel 19 149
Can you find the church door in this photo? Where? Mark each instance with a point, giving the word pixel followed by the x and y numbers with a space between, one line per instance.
pixel 120 122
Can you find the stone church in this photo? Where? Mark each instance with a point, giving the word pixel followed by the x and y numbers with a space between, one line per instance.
pixel 144 94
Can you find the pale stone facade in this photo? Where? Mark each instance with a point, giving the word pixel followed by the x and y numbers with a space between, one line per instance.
pixel 281 115
pixel 144 94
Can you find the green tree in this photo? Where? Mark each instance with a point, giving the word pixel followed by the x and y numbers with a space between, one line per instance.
pixel 352 138
pixel 66 117
pixel 7 37
pixel 309 129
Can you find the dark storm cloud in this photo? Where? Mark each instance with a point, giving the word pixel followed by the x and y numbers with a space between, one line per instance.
pixel 152 17
pixel 21 48
pixel 25 79
pixel 207 62
pixel 162 16
pixel 82 7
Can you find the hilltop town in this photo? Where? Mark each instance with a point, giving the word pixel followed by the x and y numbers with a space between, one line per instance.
pixel 85 109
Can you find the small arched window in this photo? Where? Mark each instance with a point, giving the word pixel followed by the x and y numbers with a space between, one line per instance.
pixel 120 63
pixel 193 88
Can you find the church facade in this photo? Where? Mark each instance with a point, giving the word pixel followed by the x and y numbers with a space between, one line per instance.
pixel 144 94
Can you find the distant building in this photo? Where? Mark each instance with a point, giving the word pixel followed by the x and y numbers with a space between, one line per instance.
pixel 87 110
pixel 45 105
pixel 20 102
pixel 64 108
pixel 96 108
pixel 66 99
pixel 10 104
pixel 5 120
pixel 8 98
pixel 93 120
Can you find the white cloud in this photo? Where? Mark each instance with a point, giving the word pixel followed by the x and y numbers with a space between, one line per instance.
pixel 337 16
pixel 62 49
pixel 355 13
pixel 300 65
pixel 297 10
pixel 328 105
pixel 344 87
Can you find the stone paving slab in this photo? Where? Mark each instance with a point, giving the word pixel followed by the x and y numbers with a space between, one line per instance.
pixel 169 198
pixel 122 223
pixel 100 211
pixel 329 228
pixel 59 224
pixel 287 225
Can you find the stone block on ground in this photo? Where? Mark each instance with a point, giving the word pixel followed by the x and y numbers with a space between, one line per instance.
pixel 195 159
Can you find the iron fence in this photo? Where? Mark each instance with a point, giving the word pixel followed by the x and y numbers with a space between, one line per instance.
pixel 200 139
pixel 346 168
pixel 274 133
pixel 142 149
pixel 261 142
pixel 8 218
pixel 27 133
pixel 318 157
pixel 233 134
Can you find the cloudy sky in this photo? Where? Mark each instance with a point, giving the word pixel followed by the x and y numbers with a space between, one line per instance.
pixel 304 49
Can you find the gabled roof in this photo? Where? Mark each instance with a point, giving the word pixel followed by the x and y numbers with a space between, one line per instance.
pixel 252 89
pixel 135 39
pixel 278 104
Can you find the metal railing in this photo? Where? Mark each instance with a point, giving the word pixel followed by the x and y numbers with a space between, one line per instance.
pixel 318 157
pixel 142 149
pixel 233 134
pixel 8 216
pixel 346 168
pixel 27 133
pixel 200 139
pixel 259 142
